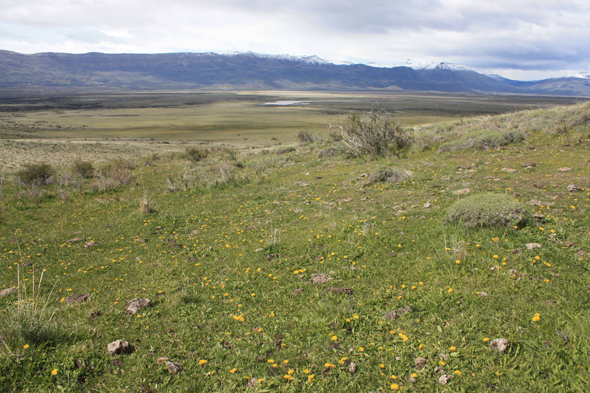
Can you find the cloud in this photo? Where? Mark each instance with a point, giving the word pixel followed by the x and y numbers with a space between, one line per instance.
pixel 543 35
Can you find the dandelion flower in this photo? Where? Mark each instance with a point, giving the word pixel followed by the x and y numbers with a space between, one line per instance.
pixel 202 361
pixel 54 372
pixel 26 346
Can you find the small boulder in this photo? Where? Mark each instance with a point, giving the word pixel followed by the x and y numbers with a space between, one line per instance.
pixel 564 169
pixel 573 188
pixel 162 360
pixel 499 344
pixel 79 298
pixel 509 170
pixel 173 368
pixel 119 347
pixel 133 306
pixel 444 379
pixel 320 278
pixel 91 244
pixel 352 367
pixel 462 191
pixel 532 246
pixel 419 363
pixel 343 290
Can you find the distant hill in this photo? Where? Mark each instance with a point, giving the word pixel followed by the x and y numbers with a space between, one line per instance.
pixel 100 71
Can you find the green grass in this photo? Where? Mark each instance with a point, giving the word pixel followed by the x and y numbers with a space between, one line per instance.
pixel 223 259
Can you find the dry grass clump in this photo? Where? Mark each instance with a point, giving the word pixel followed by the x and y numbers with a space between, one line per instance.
pixel 483 140
pixel 388 174
pixel 145 205
pixel 488 209
pixel 83 169
pixel 195 154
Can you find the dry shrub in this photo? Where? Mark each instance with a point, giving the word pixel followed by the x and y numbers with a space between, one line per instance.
pixel 83 169
pixel 111 179
pixel 195 154
pixel 146 206
pixel 39 174
pixel 306 137
pixel 388 174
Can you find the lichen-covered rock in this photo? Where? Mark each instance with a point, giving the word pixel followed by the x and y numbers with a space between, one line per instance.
pixel 119 347
pixel 133 306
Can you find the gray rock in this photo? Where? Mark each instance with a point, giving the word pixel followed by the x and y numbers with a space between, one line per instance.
pixel 320 278
pixel 499 344
pixel 79 298
pixel 532 246
pixel 119 347
pixel 133 306
pixel 173 368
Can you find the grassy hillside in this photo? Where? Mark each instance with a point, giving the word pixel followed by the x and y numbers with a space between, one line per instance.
pixel 307 271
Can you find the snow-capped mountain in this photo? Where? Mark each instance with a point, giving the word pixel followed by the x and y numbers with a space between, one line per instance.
pixel 435 66
pixel 305 59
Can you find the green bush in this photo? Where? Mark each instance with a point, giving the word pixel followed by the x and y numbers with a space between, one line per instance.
pixel 195 154
pixel 483 140
pixel 84 169
pixel 488 209
pixel 42 173
pixel 376 133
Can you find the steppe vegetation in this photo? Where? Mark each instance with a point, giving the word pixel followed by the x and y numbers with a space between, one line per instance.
pixel 309 267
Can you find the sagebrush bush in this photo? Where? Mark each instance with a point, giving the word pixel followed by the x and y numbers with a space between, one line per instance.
pixel 488 209
pixel 40 174
pixel 483 140
pixel 376 133
pixel 83 169
pixel 305 136
pixel 195 154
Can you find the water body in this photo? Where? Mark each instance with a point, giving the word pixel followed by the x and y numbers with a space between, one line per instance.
pixel 290 103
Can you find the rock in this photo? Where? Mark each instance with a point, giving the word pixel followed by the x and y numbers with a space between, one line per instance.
pixel 352 367
pixel 539 216
pixel 133 306
pixel 302 183
pixel 91 244
pixel 259 250
pixel 534 202
pixel 82 297
pixel 532 246
pixel 462 191
pixel 499 344
pixel 173 368
pixel 444 379
pixel 8 291
pixel 509 170
pixel 581 254
pixel 329 152
pixel 564 169
pixel 444 356
pixel 76 240
pixel 483 294
pixel 419 363
pixel 119 347
pixel 391 315
pixel 252 383
pixel 573 188
pixel 162 360
pixel 297 292
pixel 569 244
pixel 143 240
pixel 320 278
pixel 404 310
pixel 343 290
pixel 427 205
pixel 528 165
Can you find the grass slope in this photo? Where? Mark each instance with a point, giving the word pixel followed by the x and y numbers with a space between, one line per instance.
pixel 228 253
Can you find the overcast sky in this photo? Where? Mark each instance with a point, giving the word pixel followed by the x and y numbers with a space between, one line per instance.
pixel 519 39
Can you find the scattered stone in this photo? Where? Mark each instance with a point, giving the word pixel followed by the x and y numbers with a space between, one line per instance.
pixel 173 368
pixel 119 347
pixel 462 191
pixel 528 165
pixel 539 216
pixel 76 240
pixel 352 367
pixel 297 292
pixel 427 205
pixel 391 315
pixel 320 278
pixel 491 178
pixel 79 298
pixel 499 344
pixel 162 360
pixel 444 379
pixel 419 363
pixel 483 294
pixel 564 169
pixel 259 250
pixel 302 183
pixel 133 306
pixel 343 290
pixel 252 383
pixel 362 176
pixel 573 188
pixel 143 240
pixel 91 244
pixel 8 291
pixel 509 170
pixel 444 356
pixel 532 246
pixel 404 310
pixel 569 244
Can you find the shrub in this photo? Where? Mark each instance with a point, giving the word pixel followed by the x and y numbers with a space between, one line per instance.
pixel 376 133
pixel 305 136
pixel 488 209
pixel 84 169
pixel 392 175
pixel 195 154
pixel 36 174
pixel 483 140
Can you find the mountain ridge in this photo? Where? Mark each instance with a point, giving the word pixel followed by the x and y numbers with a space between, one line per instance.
pixel 51 71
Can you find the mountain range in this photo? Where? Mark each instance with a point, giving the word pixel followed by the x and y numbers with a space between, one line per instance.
pixel 178 71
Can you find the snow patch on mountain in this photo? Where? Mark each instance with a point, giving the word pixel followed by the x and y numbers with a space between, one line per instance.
pixel 435 66
pixel 306 59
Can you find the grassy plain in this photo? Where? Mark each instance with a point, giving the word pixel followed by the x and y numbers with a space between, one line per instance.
pixel 228 250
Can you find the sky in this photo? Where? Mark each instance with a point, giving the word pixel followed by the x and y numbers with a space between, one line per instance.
pixel 518 39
